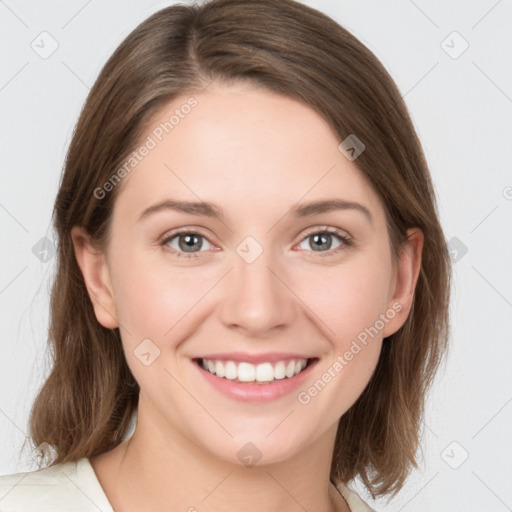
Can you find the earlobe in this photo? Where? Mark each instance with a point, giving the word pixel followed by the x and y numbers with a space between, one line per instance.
pixel 96 276
pixel 406 278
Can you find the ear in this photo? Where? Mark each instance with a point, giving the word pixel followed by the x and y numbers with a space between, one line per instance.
pixel 405 279
pixel 96 275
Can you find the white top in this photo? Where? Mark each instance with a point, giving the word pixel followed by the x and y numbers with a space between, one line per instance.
pixel 74 487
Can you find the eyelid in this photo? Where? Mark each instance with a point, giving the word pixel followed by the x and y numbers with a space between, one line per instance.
pixel 169 235
pixel 344 236
pixel 327 229
pixel 346 239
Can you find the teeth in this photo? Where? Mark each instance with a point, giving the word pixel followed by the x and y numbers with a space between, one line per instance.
pixel 279 371
pixel 231 370
pixel 219 369
pixel 247 372
pixel 290 369
pixel 264 372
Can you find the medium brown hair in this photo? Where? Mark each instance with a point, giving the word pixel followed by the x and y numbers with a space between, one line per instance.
pixel 85 405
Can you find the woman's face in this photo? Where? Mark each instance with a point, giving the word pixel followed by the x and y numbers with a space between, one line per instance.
pixel 265 280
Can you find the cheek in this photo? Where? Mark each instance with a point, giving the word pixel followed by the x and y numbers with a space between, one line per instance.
pixel 156 303
pixel 349 303
pixel 347 299
pixel 152 298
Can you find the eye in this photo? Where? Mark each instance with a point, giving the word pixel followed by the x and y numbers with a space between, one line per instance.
pixel 185 243
pixel 189 243
pixel 321 240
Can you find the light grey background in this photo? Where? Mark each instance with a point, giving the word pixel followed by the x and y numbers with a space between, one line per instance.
pixel 461 106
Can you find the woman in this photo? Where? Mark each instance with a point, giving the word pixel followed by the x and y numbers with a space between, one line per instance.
pixel 250 266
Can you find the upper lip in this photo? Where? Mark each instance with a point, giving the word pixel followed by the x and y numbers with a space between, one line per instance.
pixel 246 357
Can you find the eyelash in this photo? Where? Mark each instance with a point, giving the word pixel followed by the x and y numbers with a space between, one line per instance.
pixel 346 241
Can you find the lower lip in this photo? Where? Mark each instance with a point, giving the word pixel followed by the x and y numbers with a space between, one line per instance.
pixel 253 392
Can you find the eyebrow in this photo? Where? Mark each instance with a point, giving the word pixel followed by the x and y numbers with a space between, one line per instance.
pixel 302 210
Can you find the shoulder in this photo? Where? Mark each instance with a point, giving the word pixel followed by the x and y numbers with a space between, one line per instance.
pixel 70 486
pixel 355 503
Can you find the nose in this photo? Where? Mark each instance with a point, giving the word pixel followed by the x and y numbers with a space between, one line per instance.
pixel 257 299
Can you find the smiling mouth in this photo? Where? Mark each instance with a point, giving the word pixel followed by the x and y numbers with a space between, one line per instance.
pixel 262 373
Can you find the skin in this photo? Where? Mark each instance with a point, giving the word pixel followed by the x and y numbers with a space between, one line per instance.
pixel 254 154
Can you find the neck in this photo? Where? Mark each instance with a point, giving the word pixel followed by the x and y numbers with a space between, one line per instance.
pixel 159 469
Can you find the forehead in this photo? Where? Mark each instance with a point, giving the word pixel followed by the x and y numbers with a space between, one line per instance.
pixel 239 145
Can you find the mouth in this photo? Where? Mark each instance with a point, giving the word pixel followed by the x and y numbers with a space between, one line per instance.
pixel 262 373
